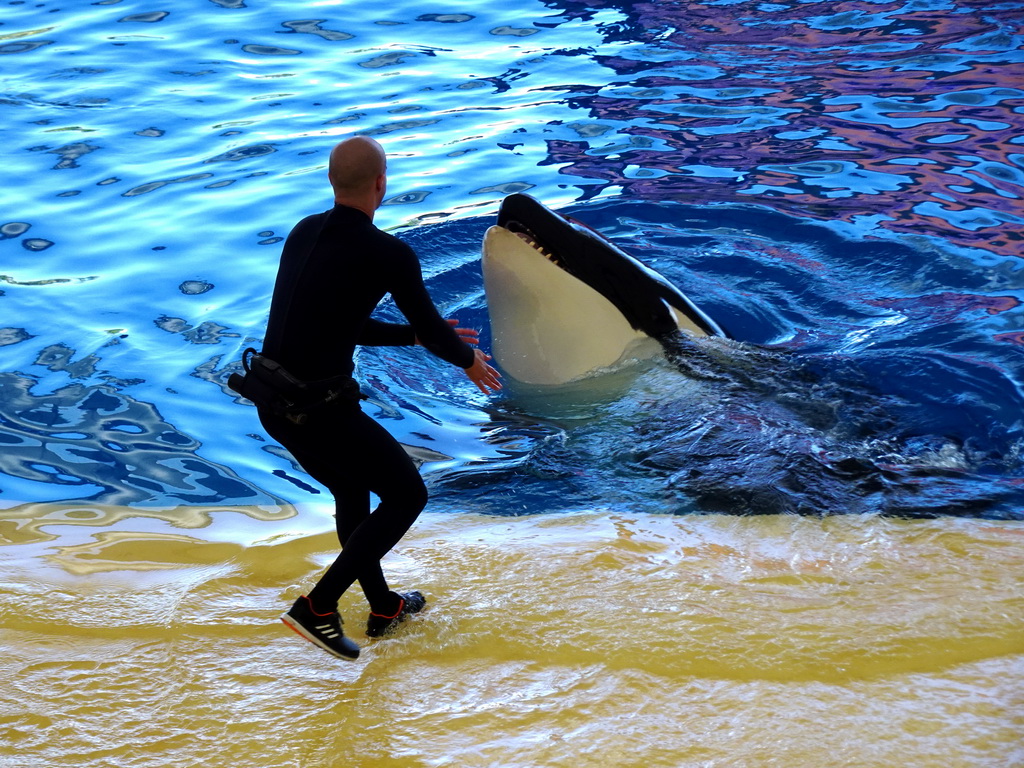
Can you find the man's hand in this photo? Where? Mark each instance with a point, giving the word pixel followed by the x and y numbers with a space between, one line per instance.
pixel 483 375
pixel 468 335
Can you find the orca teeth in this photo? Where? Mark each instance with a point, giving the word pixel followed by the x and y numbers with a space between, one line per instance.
pixel 525 236
pixel 529 239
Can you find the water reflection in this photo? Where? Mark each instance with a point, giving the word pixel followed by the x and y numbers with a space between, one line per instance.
pixel 819 139
pixel 13 335
pixel 880 120
pixel 70 154
pixel 152 186
pixel 14 229
pixel 48 521
pixel 312 27
pixel 144 18
pixel 104 446
pixel 208 332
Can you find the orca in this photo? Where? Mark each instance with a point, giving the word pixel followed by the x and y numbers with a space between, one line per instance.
pixel 565 303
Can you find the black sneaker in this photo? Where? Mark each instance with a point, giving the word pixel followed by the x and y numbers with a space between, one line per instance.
pixel 409 602
pixel 323 629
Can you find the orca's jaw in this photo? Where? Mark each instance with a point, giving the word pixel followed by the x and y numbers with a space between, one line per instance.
pixel 565 302
pixel 547 327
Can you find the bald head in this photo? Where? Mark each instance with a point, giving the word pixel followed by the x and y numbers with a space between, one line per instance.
pixel 356 166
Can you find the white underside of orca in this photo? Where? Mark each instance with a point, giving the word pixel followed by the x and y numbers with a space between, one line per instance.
pixel 547 326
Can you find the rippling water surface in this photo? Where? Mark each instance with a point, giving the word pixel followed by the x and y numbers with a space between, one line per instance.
pixel 838 184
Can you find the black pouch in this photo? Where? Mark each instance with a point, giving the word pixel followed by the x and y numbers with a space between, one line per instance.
pixel 269 385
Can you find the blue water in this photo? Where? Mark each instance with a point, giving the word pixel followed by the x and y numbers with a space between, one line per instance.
pixel 838 184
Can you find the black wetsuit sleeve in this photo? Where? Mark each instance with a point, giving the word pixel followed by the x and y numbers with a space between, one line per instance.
pixel 432 330
pixel 377 333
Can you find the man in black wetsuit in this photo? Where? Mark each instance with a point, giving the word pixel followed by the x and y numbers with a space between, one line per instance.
pixel 335 268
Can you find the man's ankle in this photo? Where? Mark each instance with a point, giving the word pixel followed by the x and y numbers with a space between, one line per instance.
pixel 321 608
pixel 390 608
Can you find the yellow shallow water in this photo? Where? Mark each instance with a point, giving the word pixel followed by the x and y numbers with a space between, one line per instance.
pixel 588 639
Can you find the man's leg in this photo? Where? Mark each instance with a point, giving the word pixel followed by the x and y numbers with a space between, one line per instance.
pixel 376 462
pixel 352 507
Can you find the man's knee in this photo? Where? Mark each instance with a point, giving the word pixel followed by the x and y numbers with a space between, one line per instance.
pixel 400 489
pixel 411 495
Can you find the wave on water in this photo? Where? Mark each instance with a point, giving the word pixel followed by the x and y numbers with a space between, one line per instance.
pixel 843 403
pixel 838 187
pixel 844 395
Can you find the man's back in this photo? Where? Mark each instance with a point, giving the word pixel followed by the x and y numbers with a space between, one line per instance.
pixel 333 273
pixel 335 268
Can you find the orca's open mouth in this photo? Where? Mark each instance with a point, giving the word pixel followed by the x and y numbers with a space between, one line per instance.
pixel 564 300
pixel 526 234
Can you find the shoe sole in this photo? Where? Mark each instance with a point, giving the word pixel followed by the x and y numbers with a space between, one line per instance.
pixel 298 629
